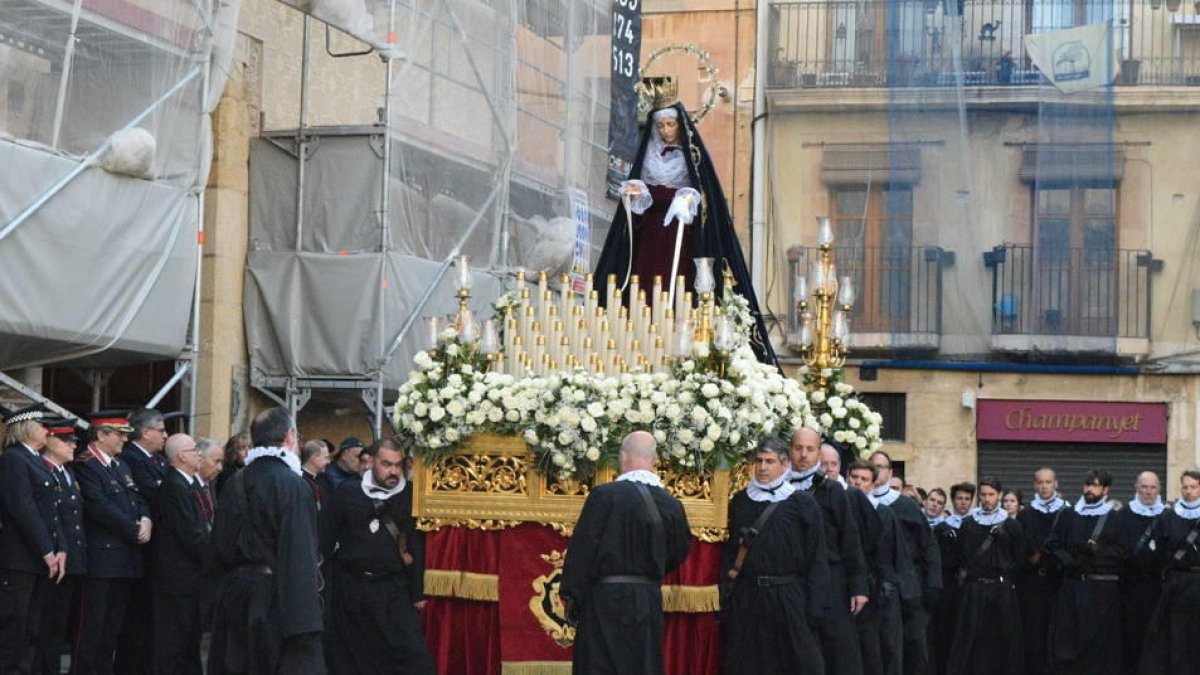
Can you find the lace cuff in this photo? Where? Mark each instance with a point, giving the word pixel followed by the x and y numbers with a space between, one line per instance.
pixel 684 207
pixel 640 200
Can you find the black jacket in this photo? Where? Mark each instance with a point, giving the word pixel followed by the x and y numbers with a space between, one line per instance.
pixel 112 507
pixel 179 546
pixel 147 473
pixel 29 524
pixel 70 516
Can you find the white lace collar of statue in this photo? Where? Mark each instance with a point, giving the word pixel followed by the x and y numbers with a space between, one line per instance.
pixel 641 476
pixel 1047 505
pixel 664 164
pixel 1187 510
pixel 775 491
pixel 1098 509
pixel 1151 511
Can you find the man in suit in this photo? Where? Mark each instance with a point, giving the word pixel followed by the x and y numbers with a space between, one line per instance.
pixel 212 461
pixel 117 524
pixel 314 457
pixel 177 560
pixel 143 454
pixel 61 597
pixel 32 545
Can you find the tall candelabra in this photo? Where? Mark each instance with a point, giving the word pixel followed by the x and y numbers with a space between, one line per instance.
pixel 823 303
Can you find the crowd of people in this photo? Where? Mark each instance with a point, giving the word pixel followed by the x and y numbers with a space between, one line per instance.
pixel 846 570
pixel 125 549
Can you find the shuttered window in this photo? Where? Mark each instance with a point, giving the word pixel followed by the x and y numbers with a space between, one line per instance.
pixel 1014 463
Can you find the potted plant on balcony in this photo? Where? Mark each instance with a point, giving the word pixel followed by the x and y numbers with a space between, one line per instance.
pixel 1004 68
pixel 1130 68
pixel 783 70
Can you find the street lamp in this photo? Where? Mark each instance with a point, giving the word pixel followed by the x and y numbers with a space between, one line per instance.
pixel 823 304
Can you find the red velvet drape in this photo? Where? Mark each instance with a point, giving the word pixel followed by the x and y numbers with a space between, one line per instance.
pixel 464 635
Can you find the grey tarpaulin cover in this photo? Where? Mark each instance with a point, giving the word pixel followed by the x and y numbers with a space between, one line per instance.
pixel 102 274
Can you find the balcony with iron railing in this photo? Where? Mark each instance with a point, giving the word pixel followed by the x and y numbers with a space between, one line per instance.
pixel 899 305
pixel 1070 300
pixel 914 43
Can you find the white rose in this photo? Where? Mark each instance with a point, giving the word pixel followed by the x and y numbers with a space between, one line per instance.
pixel 455 408
pixel 688 366
pixel 827 372
pixel 417 427
pixel 876 418
pixel 861 443
pixel 839 436
pixel 817 396
pixel 531 437
pixel 872 430
pixel 839 413
pixel 854 423
pixel 588 424
pixel 420 409
pixel 423 359
pixel 700 350
pixel 851 437
pixel 592 454
pixel 495 414
pixel 452 435
pixel 686 436
pixel 852 403
pixel 453 350
pixel 710 390
pixel 434 442
pixel 836 402
pixel 436 413
pixel 513 416
pixel 679 451
pixel 660 435
pixel 558 458
pixel 735 437
pixel 565 437
pixel 826 420
pixel 706 445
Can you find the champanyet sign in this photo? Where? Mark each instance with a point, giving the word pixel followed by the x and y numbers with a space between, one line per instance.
pixel 1071 421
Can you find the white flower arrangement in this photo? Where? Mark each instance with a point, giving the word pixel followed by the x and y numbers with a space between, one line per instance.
pixel 846 419
pixel 703 418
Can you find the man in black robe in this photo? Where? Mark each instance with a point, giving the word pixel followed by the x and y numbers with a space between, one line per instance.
pixel 987 635
pixel 1085 630
pixel 1142 576
pixel 667 168
pixel 843 555
pixel 630 534
pixel 880 631
pixel 177 557
pixel 775 566
pixel 267 609
pixel 943 618
pixel 1172 647
pixel 1040 578
pixel 923 589
pixel 378 562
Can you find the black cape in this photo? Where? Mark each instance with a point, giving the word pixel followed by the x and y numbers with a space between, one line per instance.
pixel 987 636
pixel 1141 581
pixel 714 237
pixel 1173 645
pixel 769 627
pixel 1085 630
pixel 620 625
pixel 255 613
pixel 1038 584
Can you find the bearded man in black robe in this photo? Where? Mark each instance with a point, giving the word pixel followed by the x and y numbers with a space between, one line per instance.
pixel 630 534
pixel 987 636
pixel 378 559
pixel 1085 631
pixel 1173 647
pixel 673 184
pixel 267 609
pixel 1040 578
pixel 776 572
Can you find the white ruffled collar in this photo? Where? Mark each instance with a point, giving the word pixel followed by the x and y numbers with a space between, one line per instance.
pixel 1051 505
pixel 288 457
pixel 993 517
pixel 642 476
pixel 374 491
pixel 1187 511
pixel 775 491
pixel 936 520
pixel 1151 511
pixel 883 495
pixel 803 480
pixel 1097 509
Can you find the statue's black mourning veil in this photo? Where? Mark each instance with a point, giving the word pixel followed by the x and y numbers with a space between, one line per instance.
pixel 715 239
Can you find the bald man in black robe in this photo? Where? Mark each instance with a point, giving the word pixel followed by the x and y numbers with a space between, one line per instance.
pixel 630 534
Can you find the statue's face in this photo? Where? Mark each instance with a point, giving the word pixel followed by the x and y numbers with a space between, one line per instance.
pixel 668 128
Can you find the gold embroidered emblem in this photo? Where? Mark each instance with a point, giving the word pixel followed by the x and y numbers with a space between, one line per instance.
pixel 547 605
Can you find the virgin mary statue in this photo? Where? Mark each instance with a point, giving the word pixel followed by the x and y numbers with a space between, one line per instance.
pixel 673 184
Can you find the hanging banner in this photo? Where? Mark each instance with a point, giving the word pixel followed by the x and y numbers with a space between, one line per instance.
pixel 1075 59
pixel 623 112
pixel 581 264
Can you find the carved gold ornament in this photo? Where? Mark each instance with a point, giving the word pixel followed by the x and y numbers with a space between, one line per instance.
pixel 546 604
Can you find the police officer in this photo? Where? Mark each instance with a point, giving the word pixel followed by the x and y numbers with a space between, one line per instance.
pixel 32 543
pixel 117 525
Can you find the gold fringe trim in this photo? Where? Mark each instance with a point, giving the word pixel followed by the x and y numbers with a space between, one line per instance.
pixel 535 668
pixel 465 585
pixel 486 587
pixel 692 599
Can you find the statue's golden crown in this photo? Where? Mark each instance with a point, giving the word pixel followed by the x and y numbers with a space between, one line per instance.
pixel 660 90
